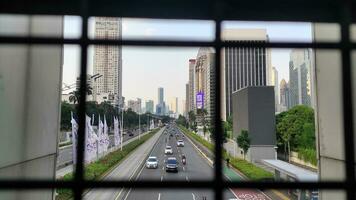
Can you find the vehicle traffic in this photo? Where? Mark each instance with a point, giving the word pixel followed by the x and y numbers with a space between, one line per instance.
pixel 180 143
pixel 168 150
pixel 152 162
pixel 172 165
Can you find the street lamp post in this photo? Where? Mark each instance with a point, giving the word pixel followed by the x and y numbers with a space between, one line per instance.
pixel 139 125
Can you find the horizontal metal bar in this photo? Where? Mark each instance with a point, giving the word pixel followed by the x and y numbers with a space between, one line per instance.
pixel 29 185
pixel 277 10
pixel 171 43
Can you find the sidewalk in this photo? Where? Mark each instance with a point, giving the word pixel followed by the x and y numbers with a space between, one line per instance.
pixel 63 171
pixel 233 175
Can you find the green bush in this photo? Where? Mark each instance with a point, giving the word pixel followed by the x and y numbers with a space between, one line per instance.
pixel 96 169
pixel 250 170
pixel 308 155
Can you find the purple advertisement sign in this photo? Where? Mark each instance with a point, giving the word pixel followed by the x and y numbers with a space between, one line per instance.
pixel 200 100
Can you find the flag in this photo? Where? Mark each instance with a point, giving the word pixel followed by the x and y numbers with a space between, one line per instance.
pixel 101 138
pixel 116 132
pixel 106 135
pixel 74 137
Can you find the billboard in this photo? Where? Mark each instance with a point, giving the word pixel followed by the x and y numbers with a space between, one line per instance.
pixel 200 100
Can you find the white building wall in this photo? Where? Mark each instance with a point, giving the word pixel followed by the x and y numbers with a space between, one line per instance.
pixel 329 110
pixel 30 94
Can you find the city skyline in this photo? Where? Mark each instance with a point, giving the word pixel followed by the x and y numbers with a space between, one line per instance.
pixel 154 62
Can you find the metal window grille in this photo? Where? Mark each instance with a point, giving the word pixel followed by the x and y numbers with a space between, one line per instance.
pixel 274 10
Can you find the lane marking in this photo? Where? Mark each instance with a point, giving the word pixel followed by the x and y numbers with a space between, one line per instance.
pixel 193 196
pixel 159 196
pixel 183 168
pixel 161 178
pixel 122 189
pixel 186 178
pixel 127 195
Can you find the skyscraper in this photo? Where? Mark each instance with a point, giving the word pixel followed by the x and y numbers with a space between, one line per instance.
pixel 186 107
pixel 191 83
pixel 161 106
pixel 275 83
pixel 205 79
pixel 149 106
pixel 108 61
pixel 243 66
pixel 160 95
pixel 135 105
pixel 300 77
pixel 284 94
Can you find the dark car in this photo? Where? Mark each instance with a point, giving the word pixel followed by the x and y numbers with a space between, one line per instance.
pixel 130 133
pixel 171 165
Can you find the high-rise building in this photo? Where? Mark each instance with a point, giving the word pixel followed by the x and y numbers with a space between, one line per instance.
pixel 275 83
pixel 108 61
pixel 149 106
pixel 174 105
pixel 186 107
pixel 205 80
pixel 160 95
pixel 135 105
pixel 243 66
pixel 300 77
pixel 191 102
pixel 161 106
pixel 284 94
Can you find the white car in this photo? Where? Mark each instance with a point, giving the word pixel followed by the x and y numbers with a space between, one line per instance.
pixel 180 143
pixel 152 162
pixel 168 150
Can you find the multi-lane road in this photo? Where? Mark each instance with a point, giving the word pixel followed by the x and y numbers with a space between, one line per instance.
pixel 196 168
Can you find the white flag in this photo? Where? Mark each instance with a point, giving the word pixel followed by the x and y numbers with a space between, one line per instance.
pixel 100 136
pixel 116 132
pixel 106 135
pixel 74 138
pixel 89 147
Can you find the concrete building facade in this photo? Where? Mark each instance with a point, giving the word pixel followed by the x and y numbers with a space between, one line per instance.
pixel 30 95
pixel 275 83
pixel 253 110
pixel 204 79
pixel 108 60
pixel 243 67
pixel 150 106
pixel 191 83
pixel 284 96
pixel 300 77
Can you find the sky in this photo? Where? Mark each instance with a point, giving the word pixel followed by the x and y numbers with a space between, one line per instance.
pixel 147 68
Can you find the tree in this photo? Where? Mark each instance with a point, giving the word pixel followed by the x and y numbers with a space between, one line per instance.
pixel 182 121
pixel 203 112
pixel 75 95
pixel 66 110
pixel 192 120
pixel 243 141
pixel 296 129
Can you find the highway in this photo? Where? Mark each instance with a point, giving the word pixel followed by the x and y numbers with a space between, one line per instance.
pixel 65 156
pixel 196 168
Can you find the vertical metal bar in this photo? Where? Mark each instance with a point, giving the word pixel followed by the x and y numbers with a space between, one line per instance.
pixel 79 168
pixel 217 121
pixel 349 146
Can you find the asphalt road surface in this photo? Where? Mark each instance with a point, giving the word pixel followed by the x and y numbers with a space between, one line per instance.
pixel 196 168
pixel 65 156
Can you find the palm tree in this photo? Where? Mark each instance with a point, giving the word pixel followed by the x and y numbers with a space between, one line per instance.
pixel 75 95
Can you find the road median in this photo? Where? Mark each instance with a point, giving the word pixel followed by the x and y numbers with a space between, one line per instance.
pixel 248 170
pixel 98 169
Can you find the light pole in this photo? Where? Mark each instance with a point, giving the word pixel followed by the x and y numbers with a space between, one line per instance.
pixel 139 125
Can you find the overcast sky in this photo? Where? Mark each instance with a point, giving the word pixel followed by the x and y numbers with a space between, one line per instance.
pixel 147 68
